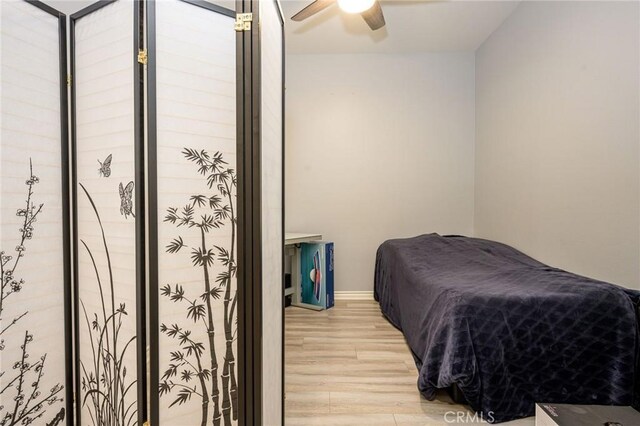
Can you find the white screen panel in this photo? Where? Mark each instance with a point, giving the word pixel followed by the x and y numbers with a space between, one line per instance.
pixel 272 232
pixel 106 241
pixel 196 194
pixel 32 345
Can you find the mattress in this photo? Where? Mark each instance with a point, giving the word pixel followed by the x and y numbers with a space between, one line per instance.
pixel 508 330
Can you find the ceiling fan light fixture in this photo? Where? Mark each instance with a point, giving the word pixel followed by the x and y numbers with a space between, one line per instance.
pixel 355 6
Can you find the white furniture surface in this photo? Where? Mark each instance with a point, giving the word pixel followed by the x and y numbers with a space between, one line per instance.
pixel 292 238
pixel 292 241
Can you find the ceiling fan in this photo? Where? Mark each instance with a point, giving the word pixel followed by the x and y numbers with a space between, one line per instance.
pixel 370 10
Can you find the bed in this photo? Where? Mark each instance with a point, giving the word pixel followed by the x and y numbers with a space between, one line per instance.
pixel 505 329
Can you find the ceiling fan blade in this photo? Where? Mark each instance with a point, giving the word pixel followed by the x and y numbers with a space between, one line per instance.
pixel 312 9
pixel 374 16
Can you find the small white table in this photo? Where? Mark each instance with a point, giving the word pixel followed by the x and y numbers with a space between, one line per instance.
pixel 292 241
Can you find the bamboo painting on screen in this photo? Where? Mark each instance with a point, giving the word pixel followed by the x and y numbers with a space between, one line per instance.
pixel 195 369
pixel 196 212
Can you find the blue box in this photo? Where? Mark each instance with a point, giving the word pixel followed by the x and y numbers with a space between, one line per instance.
pixel 317 269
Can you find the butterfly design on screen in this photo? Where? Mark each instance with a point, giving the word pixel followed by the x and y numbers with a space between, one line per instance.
pixel 105 166
pixel 126 202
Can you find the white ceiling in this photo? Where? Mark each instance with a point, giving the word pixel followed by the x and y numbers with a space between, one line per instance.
pixel 69 7
pixel 412 26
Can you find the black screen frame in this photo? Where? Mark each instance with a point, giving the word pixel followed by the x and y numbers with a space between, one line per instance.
pixel 66 216
pixel 139 197
pixel 153 220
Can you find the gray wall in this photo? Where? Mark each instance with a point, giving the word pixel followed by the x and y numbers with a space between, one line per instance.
pixel 557 136
pixel 378 147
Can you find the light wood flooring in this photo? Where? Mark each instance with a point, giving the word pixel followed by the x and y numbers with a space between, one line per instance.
pixel 350 366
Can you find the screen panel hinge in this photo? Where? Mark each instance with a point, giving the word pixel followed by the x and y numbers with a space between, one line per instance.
pixel 243 21
pixel 142 57
pixel 69 80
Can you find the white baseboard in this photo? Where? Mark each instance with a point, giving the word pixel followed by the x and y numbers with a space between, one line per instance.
pixel 353 295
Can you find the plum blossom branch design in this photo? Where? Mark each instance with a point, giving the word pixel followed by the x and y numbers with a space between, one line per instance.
pixel 23 401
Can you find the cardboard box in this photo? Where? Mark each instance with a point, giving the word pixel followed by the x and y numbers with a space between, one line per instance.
pixel 317 268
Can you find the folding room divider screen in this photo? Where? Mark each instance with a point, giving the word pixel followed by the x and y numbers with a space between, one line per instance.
pixel 175 248
pixel 193 213
pixel 35 314
pixel 271 60
pixel 261 178
pixel 108 185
